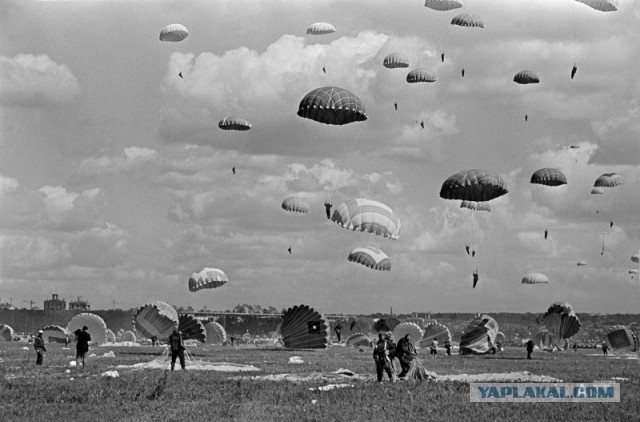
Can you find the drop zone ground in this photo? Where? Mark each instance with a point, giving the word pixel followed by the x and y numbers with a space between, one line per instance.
pixel 30 393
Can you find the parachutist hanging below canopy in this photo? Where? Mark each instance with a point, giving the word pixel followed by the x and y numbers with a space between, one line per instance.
pixel 473 254
pixel 422 124
pixel 233 170
pixel 180 74
pixel 324 69
pixel 526 117
pixel 611 224
pixel 467 248
pixel 442 57
pixel 475 278
pixel 327 206
pixel 289 250
pixel 395 105
pixel 574 69
pixel 462 72
pixel 546 233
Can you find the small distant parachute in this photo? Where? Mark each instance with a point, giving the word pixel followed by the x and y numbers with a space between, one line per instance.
pixel 56 334
pixel 216 333
pixel 581 263
pixel 234 123
pixel 535 278
pixel 526 77
pixel 6 332
pixel 601 5
pixel 321 28
pixel 157 319
pixel 128 336
pixel 608 180
pixel 96 327
pixel 480 335
pixel 622 338
pixel 561 320
pixel 474 185
pixel 207 278
pixel 432 331
pixel 475 206
pixel 442 5
pixel 549 177
pixel 597 191
pixel 386 324
pixel 192 328
pixel 574 146
pixel 358 340
pixel 367 215
pixel 295 204
pixel 633 272
pixel 332 105
pixel 174 33
pixel 635 258
pixel 405 328
pixel 395 61
pixel 465 19
pixel 420 75
pixel 371 257
pixel 302 327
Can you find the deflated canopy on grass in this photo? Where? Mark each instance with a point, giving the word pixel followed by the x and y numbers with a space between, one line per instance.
pixel 157 319
pixel 302 327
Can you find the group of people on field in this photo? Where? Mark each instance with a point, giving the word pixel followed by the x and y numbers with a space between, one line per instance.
pixel 82 346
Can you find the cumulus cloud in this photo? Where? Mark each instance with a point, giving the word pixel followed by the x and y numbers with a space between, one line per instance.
pixel 132 157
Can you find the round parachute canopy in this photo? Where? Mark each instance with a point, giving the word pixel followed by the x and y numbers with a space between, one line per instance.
pixel 635 258
pixel 535 278
pixel 633 271
pixel 128 336
pixel 96 327
pixel 192 328
pixel 234 123
pixel 302 327
pixel 6 332
pixel 420 75
pixel 574 146
pixel 173 33
pixel 545 341
pixel 410 328
pixel 474 185
pixel 442 5
pixel 371 257
pixel 433 331
pixel 597 191
pixel 207 278
pixel 295 204
pixel 465 19
pixel 56 334
pixel 480 335
pixel 475 206
pixel 157 319
pixel 359 325
pixel 608 180
pixel 358 340
pixel 366 215
pixel 561 320
pixel 622 338
pixel 581 263
pixel 111 336
pixel 601 5
pixel 216 333
pixel 333 106
pixel 321 28
pixel 385 324
pixel 395 61
pixel 548 177
pixel 526 77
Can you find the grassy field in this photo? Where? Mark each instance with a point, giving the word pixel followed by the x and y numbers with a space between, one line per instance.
pixel 31 393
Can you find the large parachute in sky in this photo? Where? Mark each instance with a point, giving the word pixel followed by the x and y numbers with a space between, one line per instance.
pixel 468 20
pixel 535 278
pixel 174 33
pixel 480 335
pixel 420 75
pixel 295 204
pixel 561 321
pixel 207 278
pixel 549 177
pixel 367 215
pixel 6 332
pixel 320 28
pixel 435 330
pixel 371 257
pixel 56 334
pixel 525 77
pixel 96 327
pixel 442 5
pixel 332 105
pixel 302 327
pixel 608 180
pixel 234 123
pixel 601 5
pixel 157 319
pixel 192 328
pixel 622 338
pixel 395 61
pixel 474 185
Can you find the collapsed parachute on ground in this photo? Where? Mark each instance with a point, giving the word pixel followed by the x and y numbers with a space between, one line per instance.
pixel 468 20
pixel 535 278
pixel 371 257
pixel 420 75
pixel 608 180
pixel 216 333
pixel 358 340
pixel 302 327
pixel 192 328
pixel 6 332
pixel 475 206
pixel 360 325
pixel 526 77
pixel 96 327
pixel 548 177
pixel 474 185
pixel 435 330
pixel 207 278
pixel 366 215
pixel 234 123
pixel 321 28
pixel 561 320
pixel 622 338
pixel 128 336
pixel 295 204
pixel 405 328
pixel 395 61
pixel 385 324
pixel 157 319
pixel 480 335
pixel 545 341
pixel 333 106
pixel 56 334
pixel 601 5
pixel 111 336
pixel 174 33
pixel 442 5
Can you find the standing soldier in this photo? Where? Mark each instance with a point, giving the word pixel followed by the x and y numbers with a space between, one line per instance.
pixel 177 349
pixel 338 330
pixel 82 345
pixel 38 344
pixel 381 357
pixel 447 346
pixel 433 348
pixel 529 348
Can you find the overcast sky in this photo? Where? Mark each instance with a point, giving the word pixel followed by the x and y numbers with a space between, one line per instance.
pixel 116 182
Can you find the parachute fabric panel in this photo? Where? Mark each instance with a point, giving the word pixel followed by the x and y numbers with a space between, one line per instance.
pixel 420 75
pixel 358 340
pixel 96 327
pixel 468 20
pixel 535 278
pixel 111 336
pixel 386 324
pixel 234 123
pixel 608 180
pixel 474 185
pixel 192 328
pixel 174 33
pixel 432 331
pixel 128 336
pixel 635 258
pixel 395 61
pixel 526 77
pixel 549 177
pixel 6 332
pixel 321 28
pixel 360 325
pixel 475 206
pixel 367 215
pixel 405 328
pixel 479 336
pixel 601 5
pixel 442 5
pixel 371 257
pixel 207 278
pixel 545 341
pixel 622 338
pixel 295 204
pixel 303 327
pixel 157 319
pixel 216 333
pixel 56 334
pixel 561 320
pixel 597 191
pixel 332 105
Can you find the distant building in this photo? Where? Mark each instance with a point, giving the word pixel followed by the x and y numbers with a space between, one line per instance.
pixel 55 304
pixel 79 305
pixel 7 306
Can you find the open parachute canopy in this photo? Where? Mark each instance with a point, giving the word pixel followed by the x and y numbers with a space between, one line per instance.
pixel 475 206
pixel 635 258
pixel 480 335
pixel 360 325
pixel 56 334
pixel 192 328
pixel 561 320
pixel 295 204
pixel 216 333
pixel 410 328
pixel 474 185
pixel 111 336
pixel 386 324
pixel 358 340
pixel 545 341
pixel 207 278
pixel 420 75
pixel 174 33
pixel 432 331
pixel 6 332
pixel 128 336
pixel 535 278
pixel 157 319
pixel 608 180
pixel 597 191
pixel 320 28
pixel 633 271
pixel 234 123
pixel 601 5
pixel 302 327
pixel 332 105
pixel 367 215
pixel 468 20
pixel 371 257
pixel 548 177
pixel 395 61
pixel 526 77
pixel 442 5
pixel 581 263
pixel 96 327
pixel 622 338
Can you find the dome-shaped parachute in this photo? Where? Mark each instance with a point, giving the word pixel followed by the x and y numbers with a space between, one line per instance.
pixel 581 263
pixel 468 20
pixel 622 338
pixel 545 341
pixel 535 278
pixel 411 328
pixel 366 215
pixel 474 185
pixel 96 327
pixel 303 327
pixel 442 5
pixel 207 278
pixel 295 204
pixel 597 191
pixel 6 332
pixel 548 177
pixel 420 75
pixel 128 336
pixel 435 330
pixel 479 336
pixel 157 319
pixel 526 77
pixel 111 336
pixel 561 320
pixel 321 28
pixel 192 328
pixel 608 180
pixel 174 33
pixel 234 123
pixel 371 257
pixel 395 61
pixel 359 325
pixel 216 333
pixel 56 334
pixel 358 340
pixel 475 206
pixel 601 5
pixel 635 258
pixel 385 324
pixel 332 105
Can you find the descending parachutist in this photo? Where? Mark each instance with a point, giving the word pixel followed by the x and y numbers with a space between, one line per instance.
pixel 289 250
pixel 422 124
pixel 396 106
pixel 546 232
pixel 574 69
pixel 526 117
pixel 233 170
pixel 442 57
pixel 324 69
pixel 327 206
pixel 180 74
pixel 462 72
pixel 611 224
pixel 467 248
pixel 475 278
pixel 473 253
